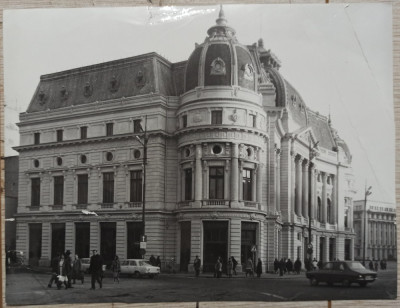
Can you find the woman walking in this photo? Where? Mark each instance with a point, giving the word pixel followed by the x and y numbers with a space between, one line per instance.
pixel 77 270
pixel 229 267
pixel 259 268
pixel 116 268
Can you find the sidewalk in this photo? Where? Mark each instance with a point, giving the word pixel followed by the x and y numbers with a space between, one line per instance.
pixel 240 275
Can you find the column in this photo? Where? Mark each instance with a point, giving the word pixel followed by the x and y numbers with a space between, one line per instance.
pixel 70 237
pixel 198 179
pixel 94 236
pixel 205 180
pixel 324 203
pixel 278 182
pixel 293 183
pixel 299 186
pixel 312 200
pixel 46 244
pixel 325 254
pixel 259 183
pixel 179 188
pixel 334 200
pixel 121 242
pixel 226 181
pixel 235 175
pixel 305 189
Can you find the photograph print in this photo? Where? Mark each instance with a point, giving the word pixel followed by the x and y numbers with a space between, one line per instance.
pixel 199 154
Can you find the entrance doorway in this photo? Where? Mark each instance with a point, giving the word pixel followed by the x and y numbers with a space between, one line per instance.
pixel 82 239
pixel 134 229
pixel 321 248
pixel 107 241
pixel 185 245
pixel 35 243
pixel 247 242
pixel 57 239
pixel 347 245
pixel 215 244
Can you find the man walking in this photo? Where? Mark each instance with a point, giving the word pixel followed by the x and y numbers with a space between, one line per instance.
pixel 95 269
pixel 196 265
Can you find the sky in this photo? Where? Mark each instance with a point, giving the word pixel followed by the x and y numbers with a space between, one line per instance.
pixel 337 56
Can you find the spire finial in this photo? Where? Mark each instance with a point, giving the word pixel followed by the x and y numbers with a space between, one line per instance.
pixel 221 21
pixel 329 115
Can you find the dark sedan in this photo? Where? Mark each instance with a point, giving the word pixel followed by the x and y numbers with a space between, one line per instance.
pixel 344 272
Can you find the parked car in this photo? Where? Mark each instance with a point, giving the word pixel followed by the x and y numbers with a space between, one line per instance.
pixel 139 268
pixel 344 272
pixel 85 263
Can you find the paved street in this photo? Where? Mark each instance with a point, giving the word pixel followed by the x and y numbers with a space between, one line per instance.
pixel 23 288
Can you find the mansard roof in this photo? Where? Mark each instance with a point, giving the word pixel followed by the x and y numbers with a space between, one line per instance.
pixel 144 74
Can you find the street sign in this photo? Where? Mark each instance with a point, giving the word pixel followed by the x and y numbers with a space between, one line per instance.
pixel 143 245
pixel 253 248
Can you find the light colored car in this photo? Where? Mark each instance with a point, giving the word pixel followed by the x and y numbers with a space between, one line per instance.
pixel 138 268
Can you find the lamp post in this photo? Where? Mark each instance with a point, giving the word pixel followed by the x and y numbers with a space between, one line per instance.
pixel 367 193
pixel 312 153
pixel 143 141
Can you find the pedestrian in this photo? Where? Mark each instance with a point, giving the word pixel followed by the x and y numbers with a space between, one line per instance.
pixel 54 270
pixel 68 268
pixel 376 265
pixel 381 264
pixel 152 260
pixel 249 267
pixel 314 264
pixel 289 266
pixel 276 265
pixel 234 264
pixel 384 264
pixel 297 266
pixel 62 277
pixel 229 267
pixel 95 269
pixel 116 268
pixel 77 270
pixel 371 265
pixel 259 268
pixel 158 262
pixel 218 268
pixel 320 264
pixel 282 266
pixel 197 265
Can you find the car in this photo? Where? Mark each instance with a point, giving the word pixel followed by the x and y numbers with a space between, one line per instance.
pixel 85 263
pixel 344 272
pixel 139 268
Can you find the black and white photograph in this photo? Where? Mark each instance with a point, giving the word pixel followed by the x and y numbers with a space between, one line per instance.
pixel 221 153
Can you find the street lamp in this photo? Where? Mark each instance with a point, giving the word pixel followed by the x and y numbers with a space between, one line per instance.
pixel 367 193
pixel 312 153
pixel 143 140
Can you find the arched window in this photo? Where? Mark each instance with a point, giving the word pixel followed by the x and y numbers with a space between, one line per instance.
pixel 319 209
pixel 328 210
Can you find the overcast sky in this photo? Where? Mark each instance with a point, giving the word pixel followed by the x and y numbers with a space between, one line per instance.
pixel 339 58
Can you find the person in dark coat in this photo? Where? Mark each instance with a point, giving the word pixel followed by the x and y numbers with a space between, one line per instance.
pixel 289 266
pixel 282 266
pixel 95 269
pixel 158 262
pixel 371 265
pixel 297 266
pixel 116 268
pixel 259 268
pixel 234 264
pixel 320 264
pixel 196 265
pixel 276 265
pixel 152 260
pixel 68 267
pixel 54 270
pixel 77 270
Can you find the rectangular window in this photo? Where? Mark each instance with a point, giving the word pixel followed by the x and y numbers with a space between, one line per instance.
pixel 188 184
pixel 82 189
pixel 184 121
pixel 108 187
pixel 136 186
pixel 137 126
pixel 216 117
pixel 59 135
pixel 58 190
pixel 109 129
pixel 37 138
pixel 247 185
pixel 35 192
pixel 83 132
pixel 253 120
pixel 216 183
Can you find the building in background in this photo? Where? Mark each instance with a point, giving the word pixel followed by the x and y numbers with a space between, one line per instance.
pixel 229 169
pixel 380 231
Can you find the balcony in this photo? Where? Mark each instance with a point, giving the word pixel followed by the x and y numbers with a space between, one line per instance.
pixel 216 202
pixel 252 204
pixel 134 205
pixel 322 225
pixel 107 206
pixel 184 203
pixel 34 208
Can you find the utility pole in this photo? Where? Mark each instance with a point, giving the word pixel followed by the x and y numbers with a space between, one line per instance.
pixel 367 193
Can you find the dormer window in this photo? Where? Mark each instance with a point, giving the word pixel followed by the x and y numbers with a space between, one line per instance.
pixel 216 117
pixel 59 135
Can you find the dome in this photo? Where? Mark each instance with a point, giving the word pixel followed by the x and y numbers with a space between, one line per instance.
pixel 220 60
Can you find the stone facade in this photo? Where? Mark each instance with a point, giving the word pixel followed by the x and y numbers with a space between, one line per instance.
pixel 235 160
pixel 380 230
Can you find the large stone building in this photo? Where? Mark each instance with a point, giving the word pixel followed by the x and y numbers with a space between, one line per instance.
pixel 380 230
pixel 235 158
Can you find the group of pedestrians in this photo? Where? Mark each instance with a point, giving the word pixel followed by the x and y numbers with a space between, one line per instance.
pixel 374 265
pixel 287 266
pixel 155 262
pixel 65 271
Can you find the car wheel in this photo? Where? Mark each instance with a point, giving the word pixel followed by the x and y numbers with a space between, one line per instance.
pixel 136 274
pixel 314 281
pixel 346 283
pixel 362 284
